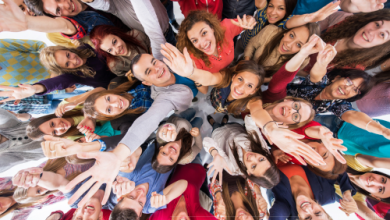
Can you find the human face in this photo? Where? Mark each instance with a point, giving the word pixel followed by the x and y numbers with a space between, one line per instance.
pixel 242 214
pixel 5 203
pixel 372 34
pixel 344 88
pixel 23 7
pixel 377 185
pixel 68 8
pixel 55 126
pixel 356 6
pixel 169 153
pixel 202 37
pixel 114 45
pixel 36 191
pixel 136 199
pixel 111 104
pixel 92 210
pixel 326 155
pixel 285 112
pixel 293 40
pixel 243 85
pixel 68 60
pixel 255 163
pixel 152 71
pixel 276 11
pixel 309 209
pixel 129 164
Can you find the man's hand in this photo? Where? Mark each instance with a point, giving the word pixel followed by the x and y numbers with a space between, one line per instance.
pixel 55 147
pixel 122 186
pixel 180 63
pixel 27 177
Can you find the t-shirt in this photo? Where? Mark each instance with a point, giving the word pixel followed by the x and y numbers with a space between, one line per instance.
pixel 144 173
pixel 309 6
pixel 188 82
pixel 195 175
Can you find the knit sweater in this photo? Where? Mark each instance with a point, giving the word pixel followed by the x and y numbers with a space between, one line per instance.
pixel 376 102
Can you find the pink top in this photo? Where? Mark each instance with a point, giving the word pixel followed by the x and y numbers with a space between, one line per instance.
pixel 225 52
pixel 377 101
pixel 195 174
pixel 212 6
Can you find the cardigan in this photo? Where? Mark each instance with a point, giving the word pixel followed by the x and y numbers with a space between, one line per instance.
pixel 376 102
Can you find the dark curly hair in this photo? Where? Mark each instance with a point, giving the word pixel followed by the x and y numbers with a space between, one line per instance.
pixel 347 29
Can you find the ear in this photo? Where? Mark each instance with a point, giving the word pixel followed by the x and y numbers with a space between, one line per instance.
pixel 147 83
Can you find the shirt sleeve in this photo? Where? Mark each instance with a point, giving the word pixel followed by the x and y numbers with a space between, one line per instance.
pixel 340 108
pixel 345 183
pixel 231 28
pixel 80 31
pixel 58 83
pixel 176 99
pixel 277 86
pixel 282 24
pixel 22 214
pixel 261 18
pixel 149 21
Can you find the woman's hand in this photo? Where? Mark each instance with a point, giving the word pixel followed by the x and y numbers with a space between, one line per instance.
pixel 279 155
pixel 217 166
pixel 157 200
pixel 55 147
pixel 195 132
pixel 27 177
pixel 261 205
pixel 326 56
pixel 13 93
pixel 122 186
pixel 87 125
pixel 314 45
pixel 322 13
pixel 332 144
pixel 168 132
pixel 288 141
pixel 221 207
pixel 61 109
pixel 348 204
pixel 180 63
pixel 247 22
pixel 90 136
pixel 74 87
pixel 12 17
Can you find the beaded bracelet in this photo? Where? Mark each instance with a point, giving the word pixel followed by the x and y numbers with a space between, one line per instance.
pixel 102 144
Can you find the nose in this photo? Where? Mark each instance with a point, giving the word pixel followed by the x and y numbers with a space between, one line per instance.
pixel 273 11
pixel 289 44
pixel 140 193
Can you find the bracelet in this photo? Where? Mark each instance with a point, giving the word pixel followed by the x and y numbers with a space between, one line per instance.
pixel 212 151
pixel 103 145
pixel 267 124
pixel 368 124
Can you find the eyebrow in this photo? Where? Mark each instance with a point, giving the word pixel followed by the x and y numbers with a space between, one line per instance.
pixel 147 69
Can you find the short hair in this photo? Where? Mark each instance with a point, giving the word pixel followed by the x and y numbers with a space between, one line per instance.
pixel 36 6
pixel 134 61
pixel 123 214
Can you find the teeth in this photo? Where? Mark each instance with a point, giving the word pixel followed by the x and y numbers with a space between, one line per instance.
pixel 73 6
pixel 365 37
pixel 341 91
pixel 304 204
pixel 162 71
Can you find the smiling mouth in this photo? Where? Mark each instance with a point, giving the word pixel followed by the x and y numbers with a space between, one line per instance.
pixel 283 48
pixel 89 207
pixel 73 6
pixel 306 203
pixel 173 148
pixel 162 73
pixel 238 93
pixel 341 91
pixel 207 48
pixel 365 37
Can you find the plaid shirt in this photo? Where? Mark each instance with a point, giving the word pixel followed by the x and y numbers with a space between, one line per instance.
pixel 32 105
pixel 141 97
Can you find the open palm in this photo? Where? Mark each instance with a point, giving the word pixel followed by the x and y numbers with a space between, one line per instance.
pixel 12 17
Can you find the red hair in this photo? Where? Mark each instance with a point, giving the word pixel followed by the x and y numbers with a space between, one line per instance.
pixel 101 31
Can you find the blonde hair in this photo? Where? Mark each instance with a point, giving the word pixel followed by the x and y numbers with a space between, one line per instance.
pixel 48 60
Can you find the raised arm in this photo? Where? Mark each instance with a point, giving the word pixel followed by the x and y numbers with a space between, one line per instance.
pixel 363 121
pixel 324 57
pixel 183 65
pixel 299 20
pixel 375 162
pixel 13 19
pixel 21 92
pixel 170 193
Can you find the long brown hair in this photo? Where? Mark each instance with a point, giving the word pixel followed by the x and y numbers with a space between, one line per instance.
pixel 33 131
pixel 89 104
pixel 347 30
pixel 300 124
pixel 274 44
pixel 248 200
pixel 48 60
pixel 52 165
pixel 192 18
pixel 240 105
pixel 271 177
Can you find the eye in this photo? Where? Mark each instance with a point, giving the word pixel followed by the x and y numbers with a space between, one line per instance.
pixel 204 33
pixel 299 45
pixel 114 42
pixel 382 35
pixel 171 159
pixel 109 110
pixel 67 55
pixel 239 79
pixel 154 63
pixel 383 180
pixel 52 124
pixel 109 50
pixel 377 24
pixel 194 41
pixel 163 153
pixel 380 189
pixel 58 11
pixel 317 213
pixel 108 98
pixel 262 159
pixel 295 116
pixel 253 167
pixel 281 8
pixel 291 35
pixel 141 204
pixel 296 106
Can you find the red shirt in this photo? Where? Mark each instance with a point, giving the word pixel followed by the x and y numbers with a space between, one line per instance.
pixel 225 51
pixel 380 208
pixel 195 174
pixel 212 6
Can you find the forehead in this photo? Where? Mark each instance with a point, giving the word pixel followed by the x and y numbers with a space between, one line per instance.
pixel 196 28
pixel 250 77
pixel 107 40
pixel 301 33
pixel 49 6
pixel 277 2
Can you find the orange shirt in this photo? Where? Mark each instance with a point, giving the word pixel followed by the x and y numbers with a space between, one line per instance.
pixel 225 51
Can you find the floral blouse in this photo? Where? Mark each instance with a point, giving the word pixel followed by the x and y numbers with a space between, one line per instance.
pixel 309 90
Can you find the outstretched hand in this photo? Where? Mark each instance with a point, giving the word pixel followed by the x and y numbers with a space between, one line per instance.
pixel 27 177
pixel 217 166
pixel 326 56
pixel 247 22
pixel 55 147
pixel 332 144
pixel 14 93
pixel 122 186
pixel 12 17
pixel 180 63
pixel 314 45
pixel 323 13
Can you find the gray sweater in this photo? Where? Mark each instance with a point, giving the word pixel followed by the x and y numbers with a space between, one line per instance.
pixel 175 97
pixel 18 148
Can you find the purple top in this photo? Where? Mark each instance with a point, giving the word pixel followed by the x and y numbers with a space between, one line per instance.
pixel 376 102
pixel 102 77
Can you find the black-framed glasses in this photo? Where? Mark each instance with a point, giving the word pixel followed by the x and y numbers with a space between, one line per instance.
pixel 296 117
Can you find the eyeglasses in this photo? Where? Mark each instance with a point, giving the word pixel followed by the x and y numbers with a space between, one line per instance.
pixel 296 117
pixel 348 82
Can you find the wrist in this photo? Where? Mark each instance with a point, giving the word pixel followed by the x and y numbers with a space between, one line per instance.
pixel 122 152
pixel 269 127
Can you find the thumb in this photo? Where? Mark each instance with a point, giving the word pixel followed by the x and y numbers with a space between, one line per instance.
pixel 89 155
pixel 187 55
pixel 35 170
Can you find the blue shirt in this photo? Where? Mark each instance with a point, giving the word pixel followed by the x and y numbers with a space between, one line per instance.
pixel 141 97
pixel 144 173
pixel 187 82
pixel 309 6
